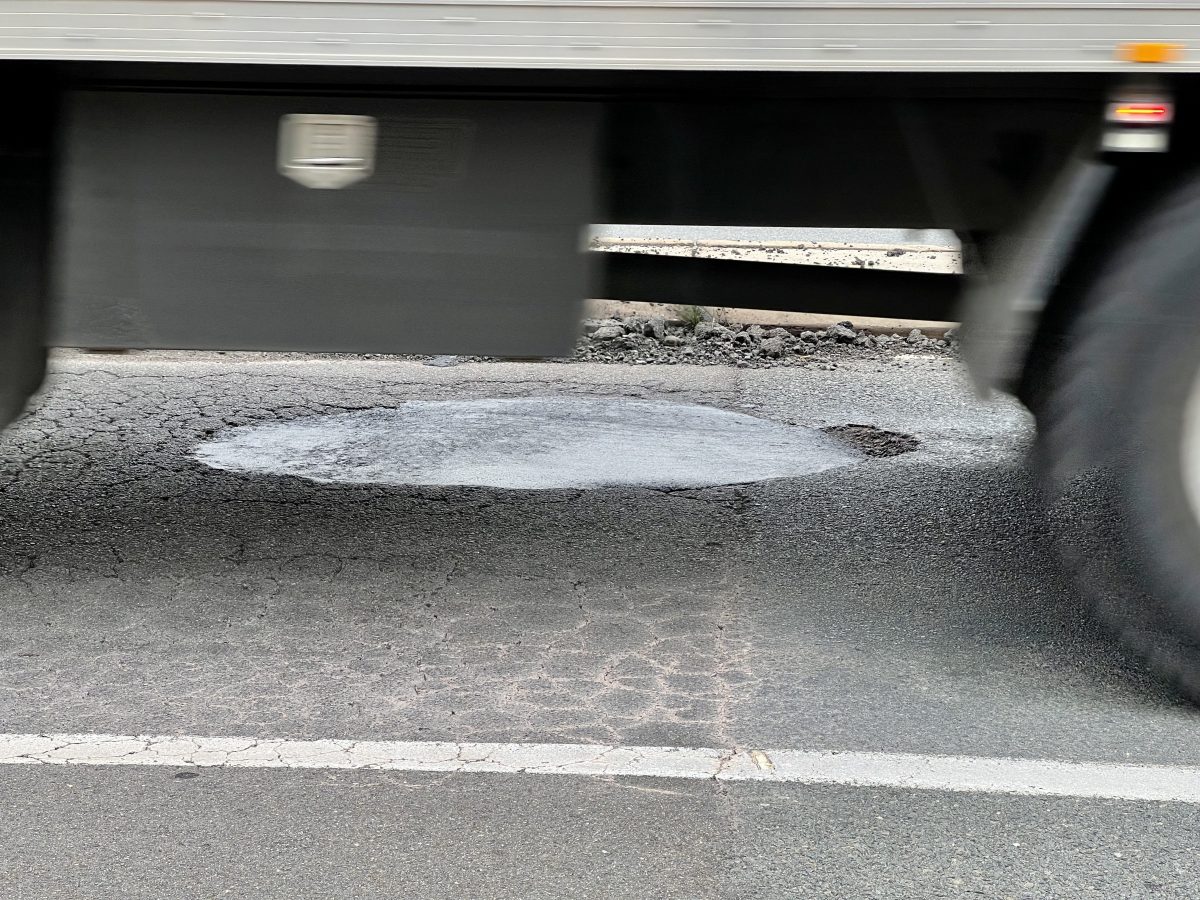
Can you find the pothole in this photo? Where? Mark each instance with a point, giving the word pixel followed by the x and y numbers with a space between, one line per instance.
pixel 531 443
pixel 872 441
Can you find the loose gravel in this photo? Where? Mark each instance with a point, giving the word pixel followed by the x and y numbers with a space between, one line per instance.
pixel 642 340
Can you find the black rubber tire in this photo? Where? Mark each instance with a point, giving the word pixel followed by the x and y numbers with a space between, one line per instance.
pixel 1111 439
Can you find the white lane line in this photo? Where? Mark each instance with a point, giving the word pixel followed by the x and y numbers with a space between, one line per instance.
pixel 974 774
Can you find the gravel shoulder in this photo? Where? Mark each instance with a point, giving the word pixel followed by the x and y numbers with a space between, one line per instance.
pixel 644 340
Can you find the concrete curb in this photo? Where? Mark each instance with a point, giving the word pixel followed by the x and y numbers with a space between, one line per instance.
pixel 604 309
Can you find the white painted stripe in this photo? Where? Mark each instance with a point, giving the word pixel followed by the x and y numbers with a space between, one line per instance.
pixel 988 775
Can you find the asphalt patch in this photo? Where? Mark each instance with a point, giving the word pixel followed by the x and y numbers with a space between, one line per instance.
pixel 532 443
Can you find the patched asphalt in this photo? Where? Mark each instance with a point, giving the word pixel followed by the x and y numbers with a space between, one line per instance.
pixel 910 603
pixel 530 443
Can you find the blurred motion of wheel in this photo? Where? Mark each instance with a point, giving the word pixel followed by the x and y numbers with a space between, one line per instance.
pixel 1120 436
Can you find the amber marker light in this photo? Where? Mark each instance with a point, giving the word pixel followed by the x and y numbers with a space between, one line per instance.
pixel 1150 52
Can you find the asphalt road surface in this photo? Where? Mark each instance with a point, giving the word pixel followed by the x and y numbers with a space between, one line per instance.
pixel 908 605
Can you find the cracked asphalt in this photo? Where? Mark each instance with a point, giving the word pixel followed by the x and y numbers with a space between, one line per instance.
pixel 907 604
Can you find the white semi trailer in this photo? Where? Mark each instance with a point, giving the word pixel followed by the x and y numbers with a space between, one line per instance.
pixel 373 175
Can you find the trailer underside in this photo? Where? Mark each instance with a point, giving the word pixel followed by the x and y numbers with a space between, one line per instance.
pixel 172 214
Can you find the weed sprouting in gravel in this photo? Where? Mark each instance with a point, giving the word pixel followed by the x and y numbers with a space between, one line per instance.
pixel 691 316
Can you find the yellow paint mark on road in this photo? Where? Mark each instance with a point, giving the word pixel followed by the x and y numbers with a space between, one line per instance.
pixel 762 760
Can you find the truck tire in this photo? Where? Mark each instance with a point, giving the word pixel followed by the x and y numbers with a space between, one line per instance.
pixel 1120 436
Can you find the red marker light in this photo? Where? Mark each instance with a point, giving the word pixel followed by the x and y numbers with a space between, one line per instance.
pixel 1139 112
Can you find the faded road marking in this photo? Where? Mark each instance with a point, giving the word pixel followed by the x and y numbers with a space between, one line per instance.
pixel 974 774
